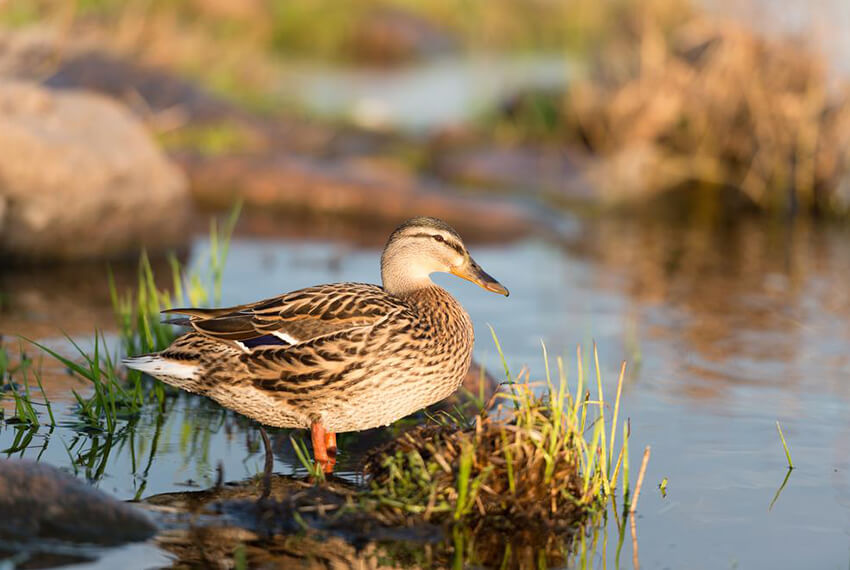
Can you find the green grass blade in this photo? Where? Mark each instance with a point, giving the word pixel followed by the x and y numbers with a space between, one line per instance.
pixel 784 446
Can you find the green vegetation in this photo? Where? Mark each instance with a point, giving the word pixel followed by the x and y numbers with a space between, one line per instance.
pixel 139 313
pixel 209 139
pixel 322 29
pixel 543 459
pixel 114 396
pixel 25 413
pixel 784 446
pixel 314 470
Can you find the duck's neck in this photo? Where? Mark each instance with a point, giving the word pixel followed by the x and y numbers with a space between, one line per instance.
pixel 404 280
pixel 409 288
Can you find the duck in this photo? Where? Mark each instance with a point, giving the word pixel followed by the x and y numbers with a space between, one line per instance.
pixel 339 357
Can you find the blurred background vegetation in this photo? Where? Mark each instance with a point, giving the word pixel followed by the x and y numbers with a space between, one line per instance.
pixel 384 108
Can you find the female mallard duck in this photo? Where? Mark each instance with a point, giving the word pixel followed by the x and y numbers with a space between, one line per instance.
pixel 339 357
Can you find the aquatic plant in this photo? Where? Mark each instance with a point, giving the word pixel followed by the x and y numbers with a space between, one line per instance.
pixel 784 446
pixel 541 456
pixel 138 312
pixel 18 387
pixel 112 398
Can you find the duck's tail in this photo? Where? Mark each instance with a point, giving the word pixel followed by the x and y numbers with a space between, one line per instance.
pixel 180 374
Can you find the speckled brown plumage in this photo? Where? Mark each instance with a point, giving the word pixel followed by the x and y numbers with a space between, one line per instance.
pixel 346 356
pixel 384 357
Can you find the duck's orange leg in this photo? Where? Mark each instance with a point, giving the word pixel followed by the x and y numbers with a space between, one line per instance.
pixel 321 439
pixel 330 445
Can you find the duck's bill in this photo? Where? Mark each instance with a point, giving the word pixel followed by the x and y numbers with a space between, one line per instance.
pixel 473 272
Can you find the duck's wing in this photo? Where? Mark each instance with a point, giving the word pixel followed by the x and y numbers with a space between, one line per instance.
pixel 295 317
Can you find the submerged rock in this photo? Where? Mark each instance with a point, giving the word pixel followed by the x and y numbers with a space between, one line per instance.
pixel 41 502
pixel 80 178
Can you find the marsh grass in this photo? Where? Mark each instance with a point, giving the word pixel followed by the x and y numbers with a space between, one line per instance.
pixel 19 389
pixel 540 455
pixel 302 453
pixel 788 472
pixel 784 446
pixel 138 312
pixel 115 396
pixel 112 398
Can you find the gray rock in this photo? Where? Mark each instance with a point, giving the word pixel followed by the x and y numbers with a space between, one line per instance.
pixel 41 502
pixel 81 177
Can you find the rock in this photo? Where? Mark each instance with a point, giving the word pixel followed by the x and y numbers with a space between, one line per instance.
pixel 27 53
pixel 81 178
pixel 289 183
pixel 41 502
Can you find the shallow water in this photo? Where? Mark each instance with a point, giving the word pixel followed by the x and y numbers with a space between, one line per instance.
pixel 726 331
pixel 428 95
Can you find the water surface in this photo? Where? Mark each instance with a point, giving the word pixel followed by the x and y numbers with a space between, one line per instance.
pixel 725 330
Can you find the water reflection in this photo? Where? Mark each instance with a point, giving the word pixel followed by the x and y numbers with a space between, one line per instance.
pixel 748 304
pixel 312 526
pixel 39 301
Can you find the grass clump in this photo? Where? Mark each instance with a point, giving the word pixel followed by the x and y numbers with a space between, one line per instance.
pixel 542 456
pixel 115 396
pixel 112 398
pixel 26 407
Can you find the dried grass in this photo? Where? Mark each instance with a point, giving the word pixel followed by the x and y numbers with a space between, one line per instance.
pixel 711 103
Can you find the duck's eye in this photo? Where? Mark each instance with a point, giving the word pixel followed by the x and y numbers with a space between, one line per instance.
pixel 439 238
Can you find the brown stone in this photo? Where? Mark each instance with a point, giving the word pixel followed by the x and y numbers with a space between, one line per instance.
pixel 40 501
pixel 81 178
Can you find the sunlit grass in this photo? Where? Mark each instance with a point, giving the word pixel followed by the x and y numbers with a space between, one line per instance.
pixel 26 405
pixel 540 452
pixel 117 396
pixel 784 446
pixel 112 397
pixel 302 453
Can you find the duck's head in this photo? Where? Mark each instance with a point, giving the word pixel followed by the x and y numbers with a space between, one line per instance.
pixel 422 246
